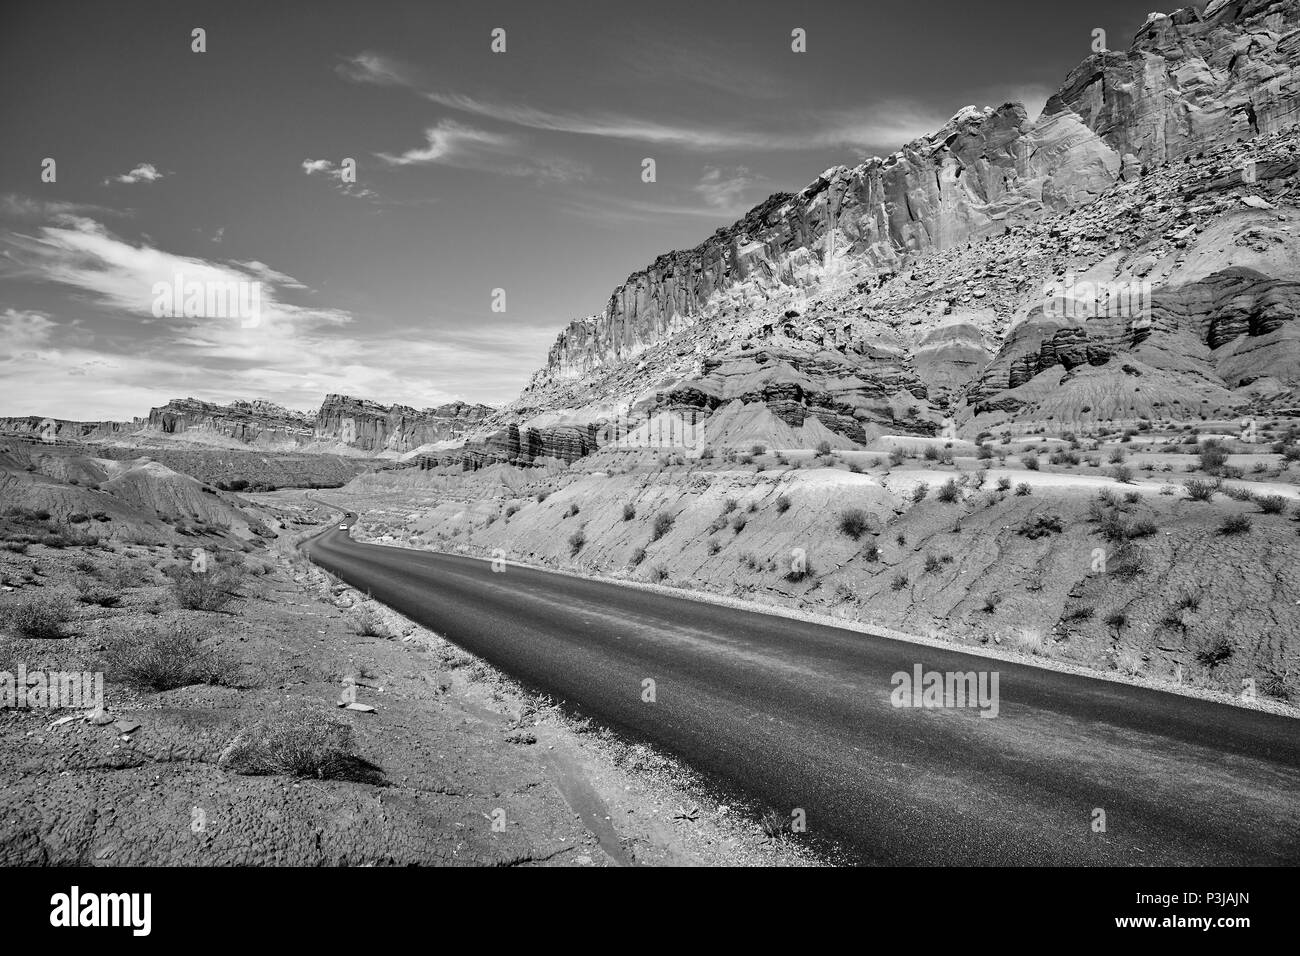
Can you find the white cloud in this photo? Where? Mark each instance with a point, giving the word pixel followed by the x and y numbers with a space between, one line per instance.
pixel 21 329
pixel 128 360
pixel 325 167
pixel 726 190
pixel 451 143
pixel 267 274
pixel 376 69
pixel 454 144
pixel 144 173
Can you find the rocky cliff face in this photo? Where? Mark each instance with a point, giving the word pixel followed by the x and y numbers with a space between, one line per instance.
pixel 257 423
pixel 986 170
pixel 62 430
pixel 393 428
pixel 1192 80
pixel 341 423
pixel 914 290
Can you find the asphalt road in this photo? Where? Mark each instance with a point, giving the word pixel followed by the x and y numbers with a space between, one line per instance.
pixel 794 715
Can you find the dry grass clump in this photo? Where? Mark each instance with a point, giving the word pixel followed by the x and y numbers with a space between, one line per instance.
pixel 299 745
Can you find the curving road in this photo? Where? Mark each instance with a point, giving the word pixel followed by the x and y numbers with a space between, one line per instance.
pixel 797 715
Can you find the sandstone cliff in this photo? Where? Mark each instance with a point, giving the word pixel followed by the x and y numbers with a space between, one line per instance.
pixel 917 283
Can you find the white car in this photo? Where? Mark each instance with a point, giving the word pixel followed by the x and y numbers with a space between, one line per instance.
pixel 343 527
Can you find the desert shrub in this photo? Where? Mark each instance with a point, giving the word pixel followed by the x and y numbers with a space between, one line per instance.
pixel 98 595
pixel 365 622
pixel 1038 526
pixel 1030 462
pixel 1129 661
pixel 1142 528
pixel 1216 652
pixel 573 510
pixel 209 590
pixel 899 582
pixel 1213 456
pixel 714 547
pixel 1237 493
pixel 1123 474
pixel 637 557
pixel 1132 497
pixel 1271 504
pixel 853 522
pixel 796 574
pixel 729 506
pixel 629 512
pixel 1024 488
pixel 738 523
pixel 1116 457
pixel 36 616
pixel 302 745
pixel 1063 458
pixel 896 456
pixel 872 553
pixel 991 603
pixel 167 658
pixel 658 574
pixel 949 492
pixel 1199 490
pixel 511 510
pixel 757 450
pixel 576 541
pixel 1235 524
pixel 1004 483
pixel 920 491
pixel 931 453
pixel 984 452
pixel 782 504
pixel 663 522
pixel 931 563
pixel 542 496
pixel 855 468
pixel 1116 619
pixel 706 454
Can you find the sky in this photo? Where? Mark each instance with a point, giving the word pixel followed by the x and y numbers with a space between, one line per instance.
pixel 497 195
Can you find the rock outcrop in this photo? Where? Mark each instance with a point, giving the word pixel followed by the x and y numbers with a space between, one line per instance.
pixel 923 283
pixel 258 423
pixel 372 427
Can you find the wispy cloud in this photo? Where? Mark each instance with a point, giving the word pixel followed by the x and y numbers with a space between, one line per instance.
pixel 121 275
pixel 883 126
pixel 144 173
pixel 327 169
pixel 727 190
pixel 450 143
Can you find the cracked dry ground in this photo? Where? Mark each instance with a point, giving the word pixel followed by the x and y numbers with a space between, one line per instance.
pixel 447 742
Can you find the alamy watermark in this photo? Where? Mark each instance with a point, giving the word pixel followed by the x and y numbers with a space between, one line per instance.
pixel 942 689
pixel 209 299
pixel 79 690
